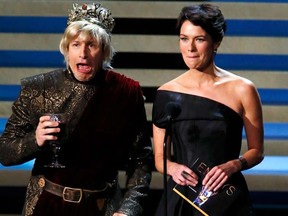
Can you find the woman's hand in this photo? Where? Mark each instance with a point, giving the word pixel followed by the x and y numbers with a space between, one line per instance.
pixel 181 174
pixel 44 130
pixel 218 175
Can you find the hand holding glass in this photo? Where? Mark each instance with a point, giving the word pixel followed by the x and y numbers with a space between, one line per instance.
pixel 55 145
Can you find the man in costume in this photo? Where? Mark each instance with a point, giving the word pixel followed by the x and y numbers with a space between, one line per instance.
pixel 105 128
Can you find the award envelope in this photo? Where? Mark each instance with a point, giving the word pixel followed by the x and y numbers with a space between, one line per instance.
pixel 207 202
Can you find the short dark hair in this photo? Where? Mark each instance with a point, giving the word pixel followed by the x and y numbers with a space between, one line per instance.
pixel 208 16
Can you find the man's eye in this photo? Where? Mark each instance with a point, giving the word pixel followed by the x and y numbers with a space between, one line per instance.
pixel 93 45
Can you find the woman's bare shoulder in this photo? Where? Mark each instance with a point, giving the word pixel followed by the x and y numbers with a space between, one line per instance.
pixel 240 86
pixel 174 84
pixel 167 86
pixel 235 80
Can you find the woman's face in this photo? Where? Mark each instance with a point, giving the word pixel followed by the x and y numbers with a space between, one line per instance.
pixel 85 58
pixel 196 46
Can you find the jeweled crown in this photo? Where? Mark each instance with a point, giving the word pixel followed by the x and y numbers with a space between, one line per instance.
pixel 93 13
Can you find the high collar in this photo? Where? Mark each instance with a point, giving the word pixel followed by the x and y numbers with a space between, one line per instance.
pixel 96 80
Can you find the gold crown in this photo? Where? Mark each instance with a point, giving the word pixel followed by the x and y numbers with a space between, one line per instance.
pixel 93 13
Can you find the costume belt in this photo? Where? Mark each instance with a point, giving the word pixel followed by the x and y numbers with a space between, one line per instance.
pixel 75 195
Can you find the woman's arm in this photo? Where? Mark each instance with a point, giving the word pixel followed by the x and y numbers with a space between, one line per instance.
pixel 174 169
pixel 253 125
pixel 250 102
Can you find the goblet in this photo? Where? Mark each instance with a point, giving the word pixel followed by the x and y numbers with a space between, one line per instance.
pixel 55 145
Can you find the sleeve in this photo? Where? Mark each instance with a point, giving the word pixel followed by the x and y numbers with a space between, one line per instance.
pixel 159 111
pixel 18 142
pixel 139 167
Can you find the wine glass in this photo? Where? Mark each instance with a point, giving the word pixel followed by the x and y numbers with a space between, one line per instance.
pixel 55 145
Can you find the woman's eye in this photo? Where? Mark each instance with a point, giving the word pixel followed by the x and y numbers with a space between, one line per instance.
pixel 200 39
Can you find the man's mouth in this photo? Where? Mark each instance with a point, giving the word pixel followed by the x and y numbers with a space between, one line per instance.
pixel 84 68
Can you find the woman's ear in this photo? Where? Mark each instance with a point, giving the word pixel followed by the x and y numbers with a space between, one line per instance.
pixel 216 45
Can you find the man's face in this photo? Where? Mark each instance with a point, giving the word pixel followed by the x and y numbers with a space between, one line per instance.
pixel 85 58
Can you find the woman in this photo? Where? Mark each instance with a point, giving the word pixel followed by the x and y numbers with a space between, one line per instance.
pixel 215 104
pixel 105 128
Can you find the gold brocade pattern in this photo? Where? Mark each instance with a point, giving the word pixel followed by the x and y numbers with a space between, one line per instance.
pixel 33 192
pixel 58 91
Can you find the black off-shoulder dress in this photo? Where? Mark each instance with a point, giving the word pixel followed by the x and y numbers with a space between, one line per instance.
pixel 204 129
